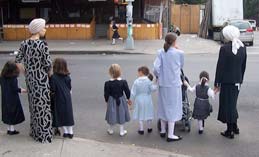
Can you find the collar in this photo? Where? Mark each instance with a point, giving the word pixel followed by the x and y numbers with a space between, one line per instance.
pixel 142 77
pixel 113 79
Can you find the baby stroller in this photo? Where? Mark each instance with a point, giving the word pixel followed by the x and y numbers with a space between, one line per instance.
pixel 187 112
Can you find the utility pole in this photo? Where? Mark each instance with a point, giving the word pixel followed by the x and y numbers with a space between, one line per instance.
pixel 130 40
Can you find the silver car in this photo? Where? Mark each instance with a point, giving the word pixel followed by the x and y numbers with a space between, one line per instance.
pixel 246 31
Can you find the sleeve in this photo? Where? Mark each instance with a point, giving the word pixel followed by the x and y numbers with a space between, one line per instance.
pixel 220 67
pixel 52 84
pixel 19 57
pixel 69 83
pixel 244 65
pixel 126 89
pixel 211 93
pixel 153 87
pixel 133 91
pixel 157 65
pixel 15 87
pixel 106 91
pixel 191 89
pixel 46 60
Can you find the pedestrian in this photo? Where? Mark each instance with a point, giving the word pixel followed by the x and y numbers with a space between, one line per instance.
pixel 167 68
pixel 12 111
pixel 117 104
pixel 202 107
pixel 142 99
pixel 60 85
pixel 34 56
pixel 229 76
pixel 116 34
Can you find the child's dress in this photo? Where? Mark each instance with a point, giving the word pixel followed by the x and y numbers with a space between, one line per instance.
pixel 202 106
pixel 12 112
pixel 141 95
pixel 117 106
pixel 62 109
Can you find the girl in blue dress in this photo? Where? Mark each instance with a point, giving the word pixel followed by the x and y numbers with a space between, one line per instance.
pixel 141 96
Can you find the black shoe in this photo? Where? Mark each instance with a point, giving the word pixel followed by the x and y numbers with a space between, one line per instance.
pixel 149 130
pixel 227 134
pixel 57 132
pixel 162 135
pixel 65 135
pixel 13 132
pixel 200 132
pixel 141 132
pixel 236 131
pixel 70 136
pixel 173 140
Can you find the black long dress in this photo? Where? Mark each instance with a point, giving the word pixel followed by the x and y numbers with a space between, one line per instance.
pixel 12 112
pixel 230 71
pixel 62 109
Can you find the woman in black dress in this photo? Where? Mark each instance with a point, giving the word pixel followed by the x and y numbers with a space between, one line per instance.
pixel 35 57
pixel 60 85
pixel 12 112
pixel 230 72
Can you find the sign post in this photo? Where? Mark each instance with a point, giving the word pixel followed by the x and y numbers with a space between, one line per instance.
pixel 129 40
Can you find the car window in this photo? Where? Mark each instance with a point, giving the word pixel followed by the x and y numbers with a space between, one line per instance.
pixel 241 25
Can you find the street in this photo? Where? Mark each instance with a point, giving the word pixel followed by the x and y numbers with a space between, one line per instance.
pixel 89 72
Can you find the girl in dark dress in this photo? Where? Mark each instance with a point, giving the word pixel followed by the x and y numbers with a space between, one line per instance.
pixel 12 112
pixel 117 104
pixel 60 84
pixel 202 107
pixel 116 34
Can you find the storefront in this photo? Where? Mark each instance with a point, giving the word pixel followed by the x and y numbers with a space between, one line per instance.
pixel 73 19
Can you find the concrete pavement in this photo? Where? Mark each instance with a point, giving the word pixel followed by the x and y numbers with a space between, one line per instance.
pixel 24 146
pixel 189 43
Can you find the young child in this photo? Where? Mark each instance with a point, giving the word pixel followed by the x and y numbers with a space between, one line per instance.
pixel 141 96
pixel 60 84
pixel 117 105
pixel 12 112
pixel 202 106
pixel 116 34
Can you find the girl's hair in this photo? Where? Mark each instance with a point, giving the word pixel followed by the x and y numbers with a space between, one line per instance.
pixel 10 69
pixel 204 77
pixel 170 38
pixel 144 70
pixel 150 76
pixel 115 71
pixel 60 66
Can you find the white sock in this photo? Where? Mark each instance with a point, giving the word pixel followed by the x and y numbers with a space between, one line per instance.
pixel 70 130
pixel 113 41
pixel 200 124
pixel 141 126
pixel 163 126
pixel 65 130
pixel 11 128
pixel 8 128
pixel 149 124
pixel 121 129
pixel 171 130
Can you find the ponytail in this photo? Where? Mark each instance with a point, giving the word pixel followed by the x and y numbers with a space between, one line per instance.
pixel 203 81
pixel 166 46
pixel 204 78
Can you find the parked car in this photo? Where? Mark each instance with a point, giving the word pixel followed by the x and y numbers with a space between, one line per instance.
pixel 253 24
pixel 246 31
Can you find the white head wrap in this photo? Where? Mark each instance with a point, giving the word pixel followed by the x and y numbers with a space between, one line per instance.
pixel 232 33
pixel 37 25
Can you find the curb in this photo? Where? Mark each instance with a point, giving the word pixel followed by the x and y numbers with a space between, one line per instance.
pixel 55 52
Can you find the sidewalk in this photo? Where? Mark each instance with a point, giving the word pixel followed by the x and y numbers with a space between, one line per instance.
pixel 21 146
pixel 191 44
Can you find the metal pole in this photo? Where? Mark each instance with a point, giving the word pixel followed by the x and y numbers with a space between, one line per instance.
pixel 130 41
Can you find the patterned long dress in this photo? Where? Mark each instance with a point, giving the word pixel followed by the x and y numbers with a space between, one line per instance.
pixel 34 55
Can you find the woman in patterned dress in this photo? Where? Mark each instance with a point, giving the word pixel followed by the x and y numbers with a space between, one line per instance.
pixel 35 57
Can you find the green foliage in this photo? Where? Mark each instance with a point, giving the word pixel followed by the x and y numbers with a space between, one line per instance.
pixel 190 1
pixel 251 9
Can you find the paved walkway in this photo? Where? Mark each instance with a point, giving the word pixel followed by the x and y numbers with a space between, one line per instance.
pixel 189 43
pixel 21 146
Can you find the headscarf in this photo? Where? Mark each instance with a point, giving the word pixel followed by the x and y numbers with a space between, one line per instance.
pixel 37 25
pixel 232 33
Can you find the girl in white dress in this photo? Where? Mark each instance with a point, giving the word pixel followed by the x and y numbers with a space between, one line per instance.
pixel 141 96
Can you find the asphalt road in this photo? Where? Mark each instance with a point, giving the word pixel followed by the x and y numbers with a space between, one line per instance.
pixel 89 72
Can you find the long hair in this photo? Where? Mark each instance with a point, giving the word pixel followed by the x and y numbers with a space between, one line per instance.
pixel 170 39
pixel 10 69
pixel 60 67
pixel 204 77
